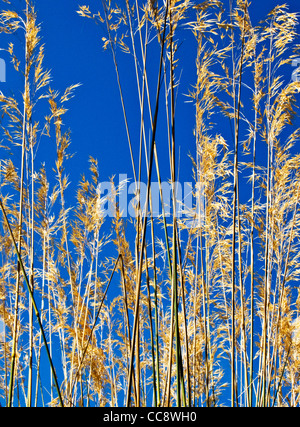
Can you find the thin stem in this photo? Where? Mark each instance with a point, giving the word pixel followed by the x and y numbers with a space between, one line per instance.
pixel 33 301
pixel 20 223
pixel 146 213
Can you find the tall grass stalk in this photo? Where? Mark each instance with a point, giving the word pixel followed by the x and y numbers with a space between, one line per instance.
pixel 198 306
pixel 30 291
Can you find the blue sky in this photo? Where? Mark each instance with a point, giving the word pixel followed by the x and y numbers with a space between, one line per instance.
pixel 74 53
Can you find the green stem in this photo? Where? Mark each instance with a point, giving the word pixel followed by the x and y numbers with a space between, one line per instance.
pixel 140 267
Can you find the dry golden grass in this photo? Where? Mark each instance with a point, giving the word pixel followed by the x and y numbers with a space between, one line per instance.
pixel 196 311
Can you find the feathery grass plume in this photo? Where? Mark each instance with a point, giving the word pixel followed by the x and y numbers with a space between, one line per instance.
pixel 25 137
pixel 194 310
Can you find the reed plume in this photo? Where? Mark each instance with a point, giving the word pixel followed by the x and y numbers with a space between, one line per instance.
pixel 195 306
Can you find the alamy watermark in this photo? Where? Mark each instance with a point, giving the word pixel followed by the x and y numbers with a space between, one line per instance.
pixel 2 71
pixel 181 199
pixel 296 72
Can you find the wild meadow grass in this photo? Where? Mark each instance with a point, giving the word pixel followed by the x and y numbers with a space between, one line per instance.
pixel 192 310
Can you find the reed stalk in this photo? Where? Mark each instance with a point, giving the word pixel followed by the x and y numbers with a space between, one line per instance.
pixel 199 309
pixel 37 314
pixel 20 224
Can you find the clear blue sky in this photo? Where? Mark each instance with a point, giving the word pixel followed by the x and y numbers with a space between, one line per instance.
pixel 74 53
